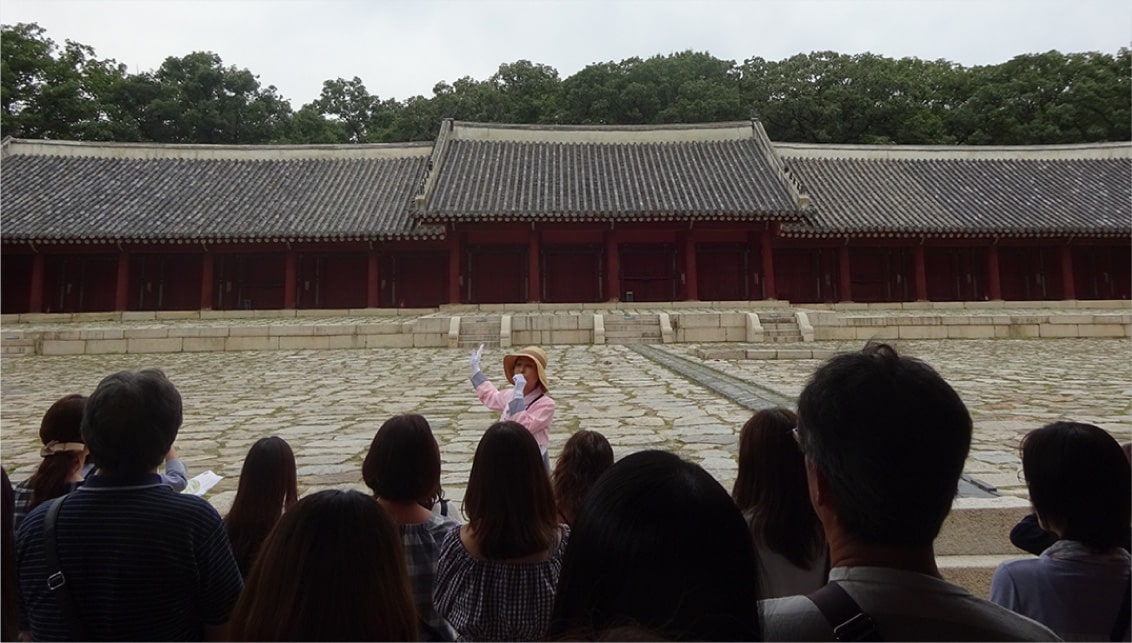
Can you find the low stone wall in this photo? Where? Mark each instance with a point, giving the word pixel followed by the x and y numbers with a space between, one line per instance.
pixel 836 325
pixel 552 329
pixel 557 324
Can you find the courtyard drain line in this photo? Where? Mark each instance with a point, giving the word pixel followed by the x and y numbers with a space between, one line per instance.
pixel 754 397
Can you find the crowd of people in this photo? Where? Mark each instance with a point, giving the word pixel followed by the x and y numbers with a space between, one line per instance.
pixel 827 533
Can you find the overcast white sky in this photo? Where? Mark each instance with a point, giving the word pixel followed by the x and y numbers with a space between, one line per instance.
pixel 402 48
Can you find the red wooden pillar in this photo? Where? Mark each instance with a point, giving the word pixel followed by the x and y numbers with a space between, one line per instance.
pixel 1068 288
pixel 290 279
pixel 454 256
pixel 994 281
pixel 373 283
pixel 612 268
pixel 754 274
pixel 35 297
pixel 122 284
pixel 920 273
pixel 768 266
pixel 534 276
pixel 844 276
pixel 691 280
pixel 206 280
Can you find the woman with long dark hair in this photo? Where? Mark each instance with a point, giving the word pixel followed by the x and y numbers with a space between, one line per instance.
pixel 659 552
pixel 331 570
pixel 496 575
pixel 771 491
pixel 64 454
pixel 266 489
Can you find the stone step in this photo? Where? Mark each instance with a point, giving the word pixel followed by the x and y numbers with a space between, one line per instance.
pixel 781 332
pixel 632 323
pixel 633 340
pixel 974 573
pixel 981 526
pixel 632 333
pixel 632 320
pixel 494 335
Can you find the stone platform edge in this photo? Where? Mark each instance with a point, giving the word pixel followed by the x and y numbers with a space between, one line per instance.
pixel 556 324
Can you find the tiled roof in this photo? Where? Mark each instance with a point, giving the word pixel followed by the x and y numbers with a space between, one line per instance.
pixel 977 194
pixel 554 174
pixel 181 193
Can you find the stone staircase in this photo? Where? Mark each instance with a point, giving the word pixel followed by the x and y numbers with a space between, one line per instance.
pixel 632 328
pixel 480 329
pixel 780 327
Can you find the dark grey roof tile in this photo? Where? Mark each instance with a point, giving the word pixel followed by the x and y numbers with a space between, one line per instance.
pixel 1000 196
pixel 89 197
pixel 536 180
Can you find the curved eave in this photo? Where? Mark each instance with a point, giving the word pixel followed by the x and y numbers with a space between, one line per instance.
pixel 220 239
pixel 948 234
pixel 591 217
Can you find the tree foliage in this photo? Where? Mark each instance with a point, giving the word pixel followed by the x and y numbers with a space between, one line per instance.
pixel 67 92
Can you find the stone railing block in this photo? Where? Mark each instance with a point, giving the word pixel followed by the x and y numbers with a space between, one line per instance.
pixel 505 331
pixel 804 326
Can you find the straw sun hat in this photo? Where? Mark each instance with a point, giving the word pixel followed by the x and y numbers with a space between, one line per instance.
pixel 536 354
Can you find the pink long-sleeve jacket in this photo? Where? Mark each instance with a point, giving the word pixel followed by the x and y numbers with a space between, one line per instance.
pixel 535 411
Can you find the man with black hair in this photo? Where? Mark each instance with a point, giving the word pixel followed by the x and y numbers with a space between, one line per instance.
pixel 885 439
pixel 135 560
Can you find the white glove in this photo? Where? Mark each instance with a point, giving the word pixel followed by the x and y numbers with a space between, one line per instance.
pixel 476 359
pixel 520 384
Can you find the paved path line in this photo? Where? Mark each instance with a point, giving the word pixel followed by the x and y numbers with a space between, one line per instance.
pixel 740 391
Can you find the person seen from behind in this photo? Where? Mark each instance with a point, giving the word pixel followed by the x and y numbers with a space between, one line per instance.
pixel 584 457
pixel 496 574
pixel 659 552
pixel 266 489
pixel 64 454
pixel 885 438
pixel 402 468
pixel 331 570
pixel 1080 485
pixel 770 489
pixel 141 561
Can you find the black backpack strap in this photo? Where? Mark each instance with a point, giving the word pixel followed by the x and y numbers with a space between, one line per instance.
pixel 848 621
pixel 1123 616
pixel 56 581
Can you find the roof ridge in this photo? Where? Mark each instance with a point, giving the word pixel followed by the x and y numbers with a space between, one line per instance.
pixel 1064 151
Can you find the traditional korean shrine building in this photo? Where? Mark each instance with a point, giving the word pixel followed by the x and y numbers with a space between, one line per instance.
pixel 493 213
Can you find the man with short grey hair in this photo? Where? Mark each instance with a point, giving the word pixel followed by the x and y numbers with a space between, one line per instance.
pixel 885 439
pixel 136 561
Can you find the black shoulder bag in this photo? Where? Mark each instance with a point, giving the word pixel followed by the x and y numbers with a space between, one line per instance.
pixel 1122 617
pixel 56 581
pixel 848 621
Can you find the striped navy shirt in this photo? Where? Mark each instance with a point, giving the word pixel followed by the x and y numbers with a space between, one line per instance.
pixel 141 561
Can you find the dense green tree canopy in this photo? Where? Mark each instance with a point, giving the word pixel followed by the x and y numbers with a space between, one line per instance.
pixel 820 97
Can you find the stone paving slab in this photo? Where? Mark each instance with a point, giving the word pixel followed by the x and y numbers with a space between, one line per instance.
pixel 328 404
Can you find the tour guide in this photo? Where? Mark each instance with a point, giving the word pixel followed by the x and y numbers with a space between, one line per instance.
pixel 527 403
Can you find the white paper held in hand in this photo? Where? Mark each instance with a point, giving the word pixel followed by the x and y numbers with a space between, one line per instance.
pixel 200 484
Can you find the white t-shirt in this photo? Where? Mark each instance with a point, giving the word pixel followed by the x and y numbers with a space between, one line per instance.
pixel 905 606
pixel 779 577
pixel 1075 592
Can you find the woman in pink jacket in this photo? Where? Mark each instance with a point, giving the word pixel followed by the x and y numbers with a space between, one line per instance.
pixel 527 403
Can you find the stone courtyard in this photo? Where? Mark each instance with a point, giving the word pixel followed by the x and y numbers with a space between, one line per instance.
pixel 329 403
